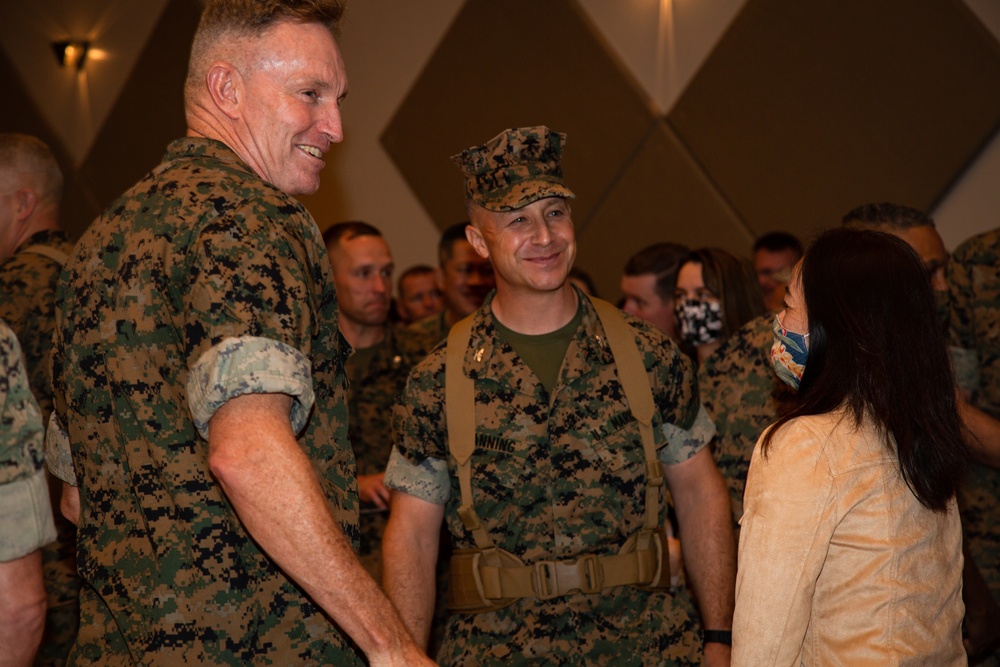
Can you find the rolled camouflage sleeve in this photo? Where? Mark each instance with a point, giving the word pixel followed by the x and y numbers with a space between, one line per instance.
pixel 428 480
pixel 682 443
pixel 26 516
pixel 249 365
pixel 685 427
pixel 25 512
pixel 58 455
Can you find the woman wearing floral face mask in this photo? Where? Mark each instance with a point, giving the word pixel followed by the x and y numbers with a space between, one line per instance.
pixel 850 550
pixel 716 294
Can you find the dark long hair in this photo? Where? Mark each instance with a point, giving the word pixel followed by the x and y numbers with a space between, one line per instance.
pixel 874 349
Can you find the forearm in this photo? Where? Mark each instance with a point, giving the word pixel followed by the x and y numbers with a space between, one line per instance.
pixel 982 435
pixel 703 514
pixel 22 609
pixel 409 557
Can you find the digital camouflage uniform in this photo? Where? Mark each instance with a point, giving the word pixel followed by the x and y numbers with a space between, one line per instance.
pixel 974 285
pixel 373 390
pixel 24 497
pixel 434 327
pixel 27 302
pixel 199 284
pixel 555 478
pixel 742 395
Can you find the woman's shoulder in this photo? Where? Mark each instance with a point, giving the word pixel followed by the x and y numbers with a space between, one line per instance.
pixel 810 426
pixel 835 436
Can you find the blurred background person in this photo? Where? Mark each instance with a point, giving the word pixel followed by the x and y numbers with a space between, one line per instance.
pixel 418 295
pixel 648 285
pixel 774 255
pixel 716 294
pixel 464 277
pixel 973 279
pixel 851 533
pixel 377 370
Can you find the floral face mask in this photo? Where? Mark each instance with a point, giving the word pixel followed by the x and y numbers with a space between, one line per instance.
pixel 788 354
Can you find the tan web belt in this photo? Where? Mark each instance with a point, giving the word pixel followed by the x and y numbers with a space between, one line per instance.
pixel 489 578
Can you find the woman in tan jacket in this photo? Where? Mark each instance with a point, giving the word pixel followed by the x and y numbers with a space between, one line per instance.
pixel 851 547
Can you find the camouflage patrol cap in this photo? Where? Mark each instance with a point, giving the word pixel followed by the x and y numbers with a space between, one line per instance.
pixel 514 168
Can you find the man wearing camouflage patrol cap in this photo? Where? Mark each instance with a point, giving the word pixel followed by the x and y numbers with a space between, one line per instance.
pixel 540 466
pixel 199 378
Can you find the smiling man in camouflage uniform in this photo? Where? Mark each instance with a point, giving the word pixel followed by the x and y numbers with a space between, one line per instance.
pixel 199 378
pixel 560 473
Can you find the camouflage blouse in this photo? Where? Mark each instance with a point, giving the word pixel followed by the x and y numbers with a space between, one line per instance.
pixel 200 283
pixel 554 477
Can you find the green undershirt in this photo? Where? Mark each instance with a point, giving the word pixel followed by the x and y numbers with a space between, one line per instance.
pixel 543 353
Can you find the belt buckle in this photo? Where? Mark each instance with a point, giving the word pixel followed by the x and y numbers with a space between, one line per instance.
pixel 546 580
pixel 592 579
pixel 585 574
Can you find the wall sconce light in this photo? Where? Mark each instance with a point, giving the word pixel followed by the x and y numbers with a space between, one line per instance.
pixel 71 52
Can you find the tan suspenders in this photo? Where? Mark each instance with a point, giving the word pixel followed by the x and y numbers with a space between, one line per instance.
pixel 487 577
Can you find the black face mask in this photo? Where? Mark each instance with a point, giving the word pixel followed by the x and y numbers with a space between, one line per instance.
pixel 700 320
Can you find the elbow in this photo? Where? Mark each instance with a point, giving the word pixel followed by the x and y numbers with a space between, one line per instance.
pixel 69 503
pixel 228 469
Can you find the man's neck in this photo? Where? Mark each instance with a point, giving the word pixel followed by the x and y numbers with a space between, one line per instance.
pixel 362 336
pixel 40 224
pixel 535 313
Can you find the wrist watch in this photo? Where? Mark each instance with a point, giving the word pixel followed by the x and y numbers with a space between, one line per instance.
pixel 717 637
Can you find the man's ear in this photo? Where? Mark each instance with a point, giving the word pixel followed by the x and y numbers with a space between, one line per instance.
pixel 475 237
pixel 225 85
pixel 26 200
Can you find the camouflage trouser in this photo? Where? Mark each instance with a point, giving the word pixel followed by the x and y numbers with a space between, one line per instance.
pixel 61 624
pixel 660 632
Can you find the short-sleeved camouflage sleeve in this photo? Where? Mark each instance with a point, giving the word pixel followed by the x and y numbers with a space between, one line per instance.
pixel 21 444
pixel 249 278
pixel 418 417
pixel 249 365
pixel 58 455
pixel 682 444
pixel 25 513
pixel 685 428
pixel 427 480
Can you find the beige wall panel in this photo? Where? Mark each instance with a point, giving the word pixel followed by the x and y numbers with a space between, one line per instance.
pixel 149 113
pixel 516 63
pixel 661 196
pixel 806 109
pixel 18 113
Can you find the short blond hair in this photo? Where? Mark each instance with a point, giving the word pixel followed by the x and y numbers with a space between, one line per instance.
pixel 225 23
pixel 27 158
